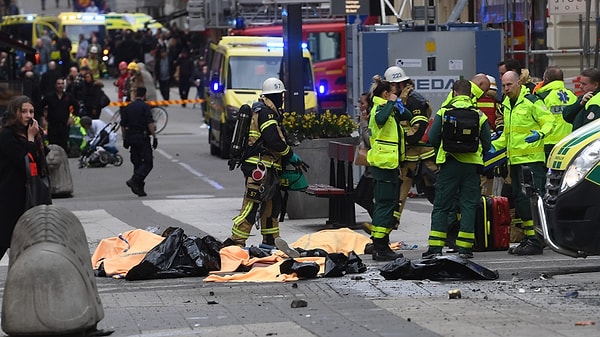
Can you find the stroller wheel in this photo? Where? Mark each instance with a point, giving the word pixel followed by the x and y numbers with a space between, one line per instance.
pixel 104 158
pixel 117 160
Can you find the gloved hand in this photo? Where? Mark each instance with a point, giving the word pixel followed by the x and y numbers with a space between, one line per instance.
pixel 154 143
pixel 398 104
pixel 533 137
pixel 125 143
pixel 405 93
pixel 295 159
pixel 492 150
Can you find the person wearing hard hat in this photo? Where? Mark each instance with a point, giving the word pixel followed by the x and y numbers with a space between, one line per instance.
pixel 417 150
pixel 267 150
pixel 93 61
pixel 136 80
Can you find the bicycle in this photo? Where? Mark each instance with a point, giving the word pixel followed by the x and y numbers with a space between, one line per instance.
pixel 159 115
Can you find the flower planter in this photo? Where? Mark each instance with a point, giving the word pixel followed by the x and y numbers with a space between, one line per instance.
pixel 314 152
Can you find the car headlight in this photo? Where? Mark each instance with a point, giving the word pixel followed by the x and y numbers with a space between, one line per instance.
pixel 584 161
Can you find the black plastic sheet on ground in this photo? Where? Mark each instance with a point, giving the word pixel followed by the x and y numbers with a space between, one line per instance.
pixel 178 256
pixel 442 268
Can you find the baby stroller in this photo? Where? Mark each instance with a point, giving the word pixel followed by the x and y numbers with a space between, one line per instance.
pixel 95 155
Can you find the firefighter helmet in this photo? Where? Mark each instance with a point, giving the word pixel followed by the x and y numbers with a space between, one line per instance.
pixel 94 50
pixel 395 74
pixel 133 66
pixel 272 85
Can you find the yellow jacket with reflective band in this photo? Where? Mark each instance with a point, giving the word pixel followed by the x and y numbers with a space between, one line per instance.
pixel 556 97
pixel 527 114
pixel 270 157
pixel 387 143
pixel 421 150
pixel 467 158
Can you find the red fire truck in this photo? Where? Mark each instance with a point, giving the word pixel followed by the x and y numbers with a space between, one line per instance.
pixel 327 44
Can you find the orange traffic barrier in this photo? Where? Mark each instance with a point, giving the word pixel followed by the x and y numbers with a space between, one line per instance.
pixel 168 102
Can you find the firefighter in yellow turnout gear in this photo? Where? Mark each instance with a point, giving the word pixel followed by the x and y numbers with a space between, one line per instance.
pixel 384 156
pixel 267 150
pixel 460 133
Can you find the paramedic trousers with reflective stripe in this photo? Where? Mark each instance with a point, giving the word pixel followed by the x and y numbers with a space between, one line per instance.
pixel 520 200
pixel 460 181
pixel 386 192
pixel 252 204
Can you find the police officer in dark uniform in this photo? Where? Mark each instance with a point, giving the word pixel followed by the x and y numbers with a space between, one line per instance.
pixel 267 150
pixel 136 125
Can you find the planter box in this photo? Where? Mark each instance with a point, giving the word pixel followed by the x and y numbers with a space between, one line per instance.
pixel 314 152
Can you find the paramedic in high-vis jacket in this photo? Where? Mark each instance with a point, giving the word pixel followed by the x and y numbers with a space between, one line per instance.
pixel 267 150
pixel 458 176
pixel 384 157
pixel 527 122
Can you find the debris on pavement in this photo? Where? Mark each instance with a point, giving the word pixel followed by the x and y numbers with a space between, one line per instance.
pixel 299 304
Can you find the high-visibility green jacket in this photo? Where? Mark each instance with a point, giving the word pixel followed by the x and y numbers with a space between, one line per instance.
pixel 436 131
pixel 556 97
pixel 387 136
pixel 520 118
pixel 579 115
pixel 476 94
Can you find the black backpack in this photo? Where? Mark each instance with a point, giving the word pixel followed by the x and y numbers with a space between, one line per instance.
pixel 460 130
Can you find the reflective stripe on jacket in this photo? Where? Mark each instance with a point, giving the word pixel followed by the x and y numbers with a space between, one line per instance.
pixel 556 97
pixel 387 143
pixel 519 120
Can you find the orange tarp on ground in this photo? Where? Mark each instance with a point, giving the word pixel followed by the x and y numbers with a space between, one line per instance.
pixel 342 240
pixel 118 256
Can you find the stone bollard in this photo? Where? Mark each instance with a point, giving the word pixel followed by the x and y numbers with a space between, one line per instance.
pixel 61 181
pixel 50 287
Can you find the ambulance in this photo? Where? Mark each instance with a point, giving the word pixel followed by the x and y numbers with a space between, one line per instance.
pixel 567 215
pixel 132 21
pixel 29 27
pixel 238 65
pixel 75 23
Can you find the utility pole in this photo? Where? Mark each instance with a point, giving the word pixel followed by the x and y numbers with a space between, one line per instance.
pixel 293 62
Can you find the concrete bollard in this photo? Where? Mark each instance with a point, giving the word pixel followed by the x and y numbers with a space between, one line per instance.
pixel 50 287
pixel 61 181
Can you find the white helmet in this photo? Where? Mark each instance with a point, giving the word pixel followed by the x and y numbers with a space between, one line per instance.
pixel 272 85
pixel 94 50
pixel 395 74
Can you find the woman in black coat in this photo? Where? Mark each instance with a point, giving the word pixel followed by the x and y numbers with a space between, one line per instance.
pixel 19 135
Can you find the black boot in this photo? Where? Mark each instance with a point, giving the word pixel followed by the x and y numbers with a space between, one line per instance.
pixel 382 250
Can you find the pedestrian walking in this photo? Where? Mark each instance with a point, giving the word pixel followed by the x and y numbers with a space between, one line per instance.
pixel 59 105
pixel 526 123
pixel 384 157
pixel 163 73
pixel 20 135
pixel 267 151
pixel 587 106
pixel 185 67
pixel 137 126
pixel 461 163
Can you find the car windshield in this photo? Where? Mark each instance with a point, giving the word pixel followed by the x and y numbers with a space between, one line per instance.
pixel 73 31
pixel 249 72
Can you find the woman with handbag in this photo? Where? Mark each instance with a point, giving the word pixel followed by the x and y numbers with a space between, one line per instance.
pixel 364 189
pixel 20 138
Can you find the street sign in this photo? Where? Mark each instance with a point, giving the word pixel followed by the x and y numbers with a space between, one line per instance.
pixel 350 7
pixel 562 7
